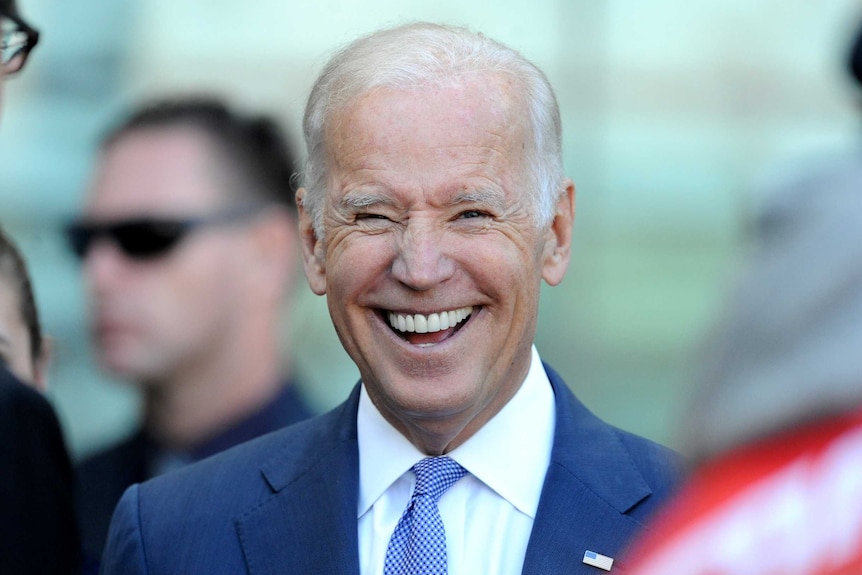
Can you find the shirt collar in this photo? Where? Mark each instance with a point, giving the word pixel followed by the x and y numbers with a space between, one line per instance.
pixel 511 458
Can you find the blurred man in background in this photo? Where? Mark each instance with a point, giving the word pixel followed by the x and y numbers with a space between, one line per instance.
pixel 37 523
pixel 188 243
pixel 776 424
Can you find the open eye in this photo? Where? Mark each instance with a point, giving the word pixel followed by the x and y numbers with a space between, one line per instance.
pixel 473 214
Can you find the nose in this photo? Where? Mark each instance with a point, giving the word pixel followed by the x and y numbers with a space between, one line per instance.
pixel 422 260
pixel 102 265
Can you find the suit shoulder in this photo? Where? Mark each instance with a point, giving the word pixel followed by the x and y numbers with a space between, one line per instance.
pixel 661 466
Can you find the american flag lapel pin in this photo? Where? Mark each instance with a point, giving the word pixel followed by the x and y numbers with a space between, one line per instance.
pixel 598 560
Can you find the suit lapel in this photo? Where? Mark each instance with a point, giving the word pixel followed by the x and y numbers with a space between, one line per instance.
pixel 590 484
pixel 308 524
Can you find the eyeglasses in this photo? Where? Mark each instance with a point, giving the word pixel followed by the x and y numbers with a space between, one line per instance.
pixel 18 40
pixel 146 238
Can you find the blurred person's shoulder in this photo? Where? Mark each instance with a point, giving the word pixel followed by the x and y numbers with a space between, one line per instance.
pixel 787 181
pixel 736 505
pixel 279 454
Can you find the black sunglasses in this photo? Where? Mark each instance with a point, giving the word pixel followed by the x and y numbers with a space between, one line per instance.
pixel 146 237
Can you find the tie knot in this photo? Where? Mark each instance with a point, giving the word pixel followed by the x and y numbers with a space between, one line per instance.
pixel 434 475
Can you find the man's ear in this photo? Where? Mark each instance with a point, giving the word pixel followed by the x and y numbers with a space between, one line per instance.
pixel 558 238
pixel 313 250
pixel 273 258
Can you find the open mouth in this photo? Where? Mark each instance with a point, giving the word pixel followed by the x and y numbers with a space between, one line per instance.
pixel 425 330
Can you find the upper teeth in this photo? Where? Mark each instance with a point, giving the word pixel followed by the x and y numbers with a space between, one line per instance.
pixel 419 323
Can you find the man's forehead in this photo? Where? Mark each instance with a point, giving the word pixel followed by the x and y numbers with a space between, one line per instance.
pixel 155 169
pixel 497 95
pixel 159 142
pixel 391 119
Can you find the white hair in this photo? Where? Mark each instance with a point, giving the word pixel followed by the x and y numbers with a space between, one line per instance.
pixel 431 54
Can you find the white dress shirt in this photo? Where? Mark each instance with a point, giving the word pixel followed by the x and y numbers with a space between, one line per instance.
pixel 488 514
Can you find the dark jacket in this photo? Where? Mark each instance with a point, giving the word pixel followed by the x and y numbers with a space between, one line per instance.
pixel 38 533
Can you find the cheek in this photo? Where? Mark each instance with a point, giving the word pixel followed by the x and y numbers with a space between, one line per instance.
pixel 216 289
pixel 357 263
pixel 500 264
pixel 181 296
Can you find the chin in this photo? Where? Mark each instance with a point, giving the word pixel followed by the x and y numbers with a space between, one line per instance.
pixel 120 364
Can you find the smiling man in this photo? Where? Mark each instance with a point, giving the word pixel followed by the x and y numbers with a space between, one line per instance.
pixel 434 206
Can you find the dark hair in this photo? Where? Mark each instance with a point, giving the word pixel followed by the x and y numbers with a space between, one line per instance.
pixel 8 8
pixel 253 145
pixel 14 269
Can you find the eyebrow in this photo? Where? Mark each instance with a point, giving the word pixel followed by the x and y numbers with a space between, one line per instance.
pixel 364 199
pixel 495 198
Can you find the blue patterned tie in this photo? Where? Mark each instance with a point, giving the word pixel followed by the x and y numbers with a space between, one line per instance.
pixel 418 545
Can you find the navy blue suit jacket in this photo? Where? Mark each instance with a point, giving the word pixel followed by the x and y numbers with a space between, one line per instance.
pixel 286 503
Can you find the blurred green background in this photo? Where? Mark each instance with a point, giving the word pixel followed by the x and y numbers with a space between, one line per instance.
pixel 674 113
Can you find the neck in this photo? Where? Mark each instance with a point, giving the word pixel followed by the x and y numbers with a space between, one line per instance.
pixel 199 400
pixel 439 436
